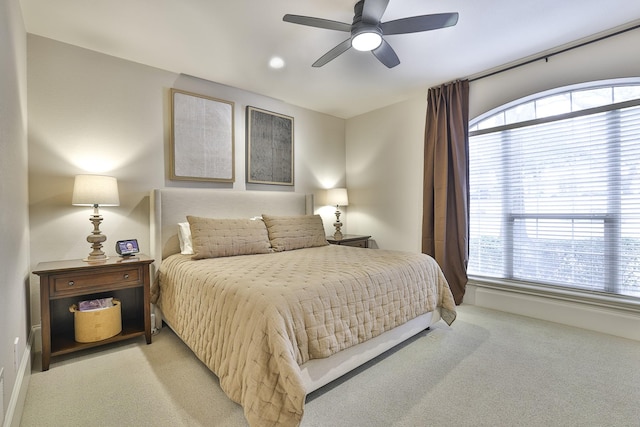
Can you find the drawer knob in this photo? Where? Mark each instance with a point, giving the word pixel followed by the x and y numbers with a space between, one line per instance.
pixel 71 283
pixel 126 276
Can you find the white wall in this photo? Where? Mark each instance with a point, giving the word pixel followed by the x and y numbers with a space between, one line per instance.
pixel 385 147
pixel 384 175
pixel 14 225
pixel 615 57
pixel 93 113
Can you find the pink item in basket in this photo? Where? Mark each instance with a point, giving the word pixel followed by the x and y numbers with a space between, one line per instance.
pixel 95 304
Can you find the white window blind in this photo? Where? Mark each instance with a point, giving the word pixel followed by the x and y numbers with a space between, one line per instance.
pixel 557 200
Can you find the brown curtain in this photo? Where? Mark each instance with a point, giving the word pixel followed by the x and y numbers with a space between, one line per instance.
pixel 445 220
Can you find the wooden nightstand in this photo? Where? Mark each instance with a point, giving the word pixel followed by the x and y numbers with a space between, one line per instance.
pixel 351 240
pixel 64 283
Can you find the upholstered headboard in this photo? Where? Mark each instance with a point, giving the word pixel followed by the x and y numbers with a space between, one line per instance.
pixel 169 206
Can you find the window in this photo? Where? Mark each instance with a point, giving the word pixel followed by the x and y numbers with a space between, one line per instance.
pixel 555 189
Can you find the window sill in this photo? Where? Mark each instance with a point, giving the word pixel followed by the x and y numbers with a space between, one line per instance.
pixel 618 302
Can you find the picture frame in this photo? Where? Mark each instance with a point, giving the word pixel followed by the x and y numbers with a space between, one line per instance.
pixel 270 147
pixel 202 138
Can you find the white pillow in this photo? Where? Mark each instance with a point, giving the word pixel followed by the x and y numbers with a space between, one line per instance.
pixel 184 235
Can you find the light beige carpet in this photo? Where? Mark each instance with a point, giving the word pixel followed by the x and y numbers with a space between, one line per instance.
pixel 488 369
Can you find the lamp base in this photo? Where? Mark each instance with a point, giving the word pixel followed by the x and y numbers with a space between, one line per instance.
pixel 338 225
pixel 96 238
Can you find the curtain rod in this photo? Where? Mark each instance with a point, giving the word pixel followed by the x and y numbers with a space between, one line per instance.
pixel 546 57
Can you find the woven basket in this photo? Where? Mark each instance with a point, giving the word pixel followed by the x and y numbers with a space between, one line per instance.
pixel 97 325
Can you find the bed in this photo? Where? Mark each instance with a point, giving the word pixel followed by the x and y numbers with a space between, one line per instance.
pixel 273 309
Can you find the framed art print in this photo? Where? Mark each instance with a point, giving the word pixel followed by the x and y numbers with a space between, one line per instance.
pixel 269 147
pixel 202 138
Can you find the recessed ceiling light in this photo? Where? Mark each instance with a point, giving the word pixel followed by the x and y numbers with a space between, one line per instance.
pixel 276 62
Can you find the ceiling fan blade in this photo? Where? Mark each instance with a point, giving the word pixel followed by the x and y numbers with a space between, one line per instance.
pixel 386 54
pixel 333 53
pixel 317 22
pixel 373 10
pixel 416 24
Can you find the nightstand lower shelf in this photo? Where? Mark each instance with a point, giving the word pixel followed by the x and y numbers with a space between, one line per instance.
pixel 66 343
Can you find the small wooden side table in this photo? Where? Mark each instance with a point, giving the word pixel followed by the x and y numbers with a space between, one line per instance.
pixel 350 240
pixel 64 283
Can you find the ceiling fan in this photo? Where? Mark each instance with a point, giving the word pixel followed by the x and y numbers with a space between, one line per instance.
pixel 367 31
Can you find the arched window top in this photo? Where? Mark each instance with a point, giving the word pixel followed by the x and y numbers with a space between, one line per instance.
pixel 558 101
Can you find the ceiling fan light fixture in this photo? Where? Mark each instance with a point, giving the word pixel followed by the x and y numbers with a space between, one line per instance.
pixel 366 41
pixel 367 30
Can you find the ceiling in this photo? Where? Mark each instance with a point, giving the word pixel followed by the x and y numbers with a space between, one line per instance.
pixel 231 42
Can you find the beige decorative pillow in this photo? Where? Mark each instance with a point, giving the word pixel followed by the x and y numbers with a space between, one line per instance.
pixel 295 232
pixel 213 237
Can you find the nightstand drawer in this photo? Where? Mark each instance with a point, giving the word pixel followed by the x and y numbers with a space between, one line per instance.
pixel 350 240
pixel 357 243
pixel 69 284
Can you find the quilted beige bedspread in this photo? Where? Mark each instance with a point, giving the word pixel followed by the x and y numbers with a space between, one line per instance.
pixel 253 319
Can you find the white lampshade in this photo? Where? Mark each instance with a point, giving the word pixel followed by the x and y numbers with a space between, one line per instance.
pixel 91 190
pixel 337 197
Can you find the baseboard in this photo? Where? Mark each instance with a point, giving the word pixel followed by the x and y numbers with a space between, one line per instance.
pixel 608 319
pixel 16 403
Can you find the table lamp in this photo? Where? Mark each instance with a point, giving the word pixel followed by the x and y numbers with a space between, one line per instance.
pixel 337 197
pixel 96 191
